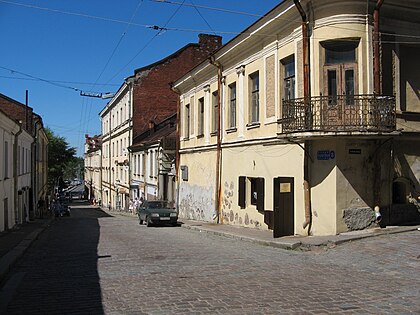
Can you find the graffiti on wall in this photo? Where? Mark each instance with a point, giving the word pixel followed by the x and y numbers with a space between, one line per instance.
pixel 230 213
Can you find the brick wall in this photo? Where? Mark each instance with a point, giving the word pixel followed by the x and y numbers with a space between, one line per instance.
pixel 153 98
pixel 17 111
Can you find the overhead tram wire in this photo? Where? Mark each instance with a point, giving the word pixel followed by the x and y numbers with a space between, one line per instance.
pixel 159 29
pixel 199 13
pixel 209 8
pixel 187 30
pixel 139 4
pixel 56 81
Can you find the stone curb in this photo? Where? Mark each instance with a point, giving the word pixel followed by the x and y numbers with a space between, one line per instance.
pixel 379 233
pixel 290 245
pixel 10 259
pixel 296 245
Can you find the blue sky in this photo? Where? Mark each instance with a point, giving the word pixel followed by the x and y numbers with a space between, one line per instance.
pixel 74 44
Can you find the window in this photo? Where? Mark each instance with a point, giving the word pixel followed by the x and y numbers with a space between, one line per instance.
pixel 215 112
pixel 201 116
pixel 340 74
pixel 255 97
pixel 187 121
pixel 289 78
pixel 156 161
pixel 22 161
pixel 142 164
pixel 19 162
pixel 232 105
pixel 251 192
pixel 6 159
pixel 340 52
pixel 151 156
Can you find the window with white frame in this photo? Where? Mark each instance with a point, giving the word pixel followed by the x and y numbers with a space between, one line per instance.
pixel 19 162
pixel 187 121
pixel 6 159
pixel 215 107
pixel 254 104
pixel 142 164
pixel 22 161
pixel 232 105
pixel 151 163
pixel 201 116
pixel 156 163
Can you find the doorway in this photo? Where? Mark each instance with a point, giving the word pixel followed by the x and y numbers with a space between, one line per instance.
pixel 284 208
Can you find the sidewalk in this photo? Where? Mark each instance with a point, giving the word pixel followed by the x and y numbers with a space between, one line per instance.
pixel 14 243
pixel 287 242
pixel 290 242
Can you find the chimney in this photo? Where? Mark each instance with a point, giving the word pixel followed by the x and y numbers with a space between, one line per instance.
pixel 211 42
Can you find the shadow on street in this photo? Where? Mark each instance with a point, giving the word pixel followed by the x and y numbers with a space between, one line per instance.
pixel 59 273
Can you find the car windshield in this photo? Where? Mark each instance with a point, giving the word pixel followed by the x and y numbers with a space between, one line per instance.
pixel 157 204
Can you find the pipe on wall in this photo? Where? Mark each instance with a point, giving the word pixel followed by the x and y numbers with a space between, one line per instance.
pixel 306 95
pixel 218 194
pixel 376 49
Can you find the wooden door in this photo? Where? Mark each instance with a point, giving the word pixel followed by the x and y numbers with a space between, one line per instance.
pixel 338 108
pixel 284 209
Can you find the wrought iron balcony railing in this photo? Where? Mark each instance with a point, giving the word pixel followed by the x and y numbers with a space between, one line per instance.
pixel 339 113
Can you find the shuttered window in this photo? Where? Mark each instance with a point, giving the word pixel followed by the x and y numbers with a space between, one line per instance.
pixel 260 194
pixel 242 191
pixel 251 190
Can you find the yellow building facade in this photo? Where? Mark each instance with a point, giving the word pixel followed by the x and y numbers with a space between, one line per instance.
pixel 291 126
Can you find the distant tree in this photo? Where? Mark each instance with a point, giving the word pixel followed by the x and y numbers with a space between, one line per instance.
pixel 74 168
pixel 60 157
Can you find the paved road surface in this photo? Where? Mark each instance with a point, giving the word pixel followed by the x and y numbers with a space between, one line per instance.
pixel 93 263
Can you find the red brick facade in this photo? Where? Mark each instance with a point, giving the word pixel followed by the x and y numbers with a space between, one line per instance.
pixel 17 111
pixel 153 99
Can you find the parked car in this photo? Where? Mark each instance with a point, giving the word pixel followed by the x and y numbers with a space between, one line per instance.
pixel 157 212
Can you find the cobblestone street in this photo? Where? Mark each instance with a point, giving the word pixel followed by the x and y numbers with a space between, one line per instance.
pixel 95 263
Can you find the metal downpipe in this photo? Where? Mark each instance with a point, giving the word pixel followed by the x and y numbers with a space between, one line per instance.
pixel 306 94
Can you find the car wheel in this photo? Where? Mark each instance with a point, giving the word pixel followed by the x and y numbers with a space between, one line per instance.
pixel 149 222
pixel 140 221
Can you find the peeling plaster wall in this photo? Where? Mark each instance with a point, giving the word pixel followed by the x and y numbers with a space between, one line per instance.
pixel 342 190
pixel 269 162
pixel 355 182
pixel 196 196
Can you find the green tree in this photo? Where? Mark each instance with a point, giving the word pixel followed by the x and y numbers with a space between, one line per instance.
pixel 74 168
pixel 60 157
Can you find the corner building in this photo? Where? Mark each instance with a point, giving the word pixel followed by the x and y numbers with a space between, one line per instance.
pixel 306 122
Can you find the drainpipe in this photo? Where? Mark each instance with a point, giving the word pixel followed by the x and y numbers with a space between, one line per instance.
pixel 377 91
pixel 109 161
pixel 177 143
pixel 34 171
pixel 16 171
pixel 376 49
pixel 306 94
pixel 218 194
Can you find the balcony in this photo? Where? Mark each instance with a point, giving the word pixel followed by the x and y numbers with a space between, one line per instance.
pixel 339 113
